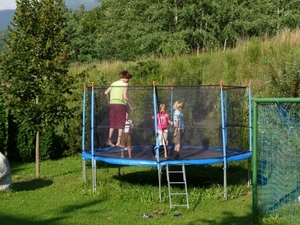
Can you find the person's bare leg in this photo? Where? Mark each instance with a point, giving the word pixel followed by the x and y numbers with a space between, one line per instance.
pixel 165 136
pixel 178 147
pixel 120 131
pixel 111 131
pixel 122 152
pixel 129 151
pixel 165 149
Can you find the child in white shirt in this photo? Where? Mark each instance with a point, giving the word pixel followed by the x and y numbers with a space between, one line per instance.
pixel 126 136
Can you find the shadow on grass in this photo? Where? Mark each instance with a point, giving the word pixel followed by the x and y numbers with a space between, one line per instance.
pixel 30 185
pixel 100 165
pixel 66 212
pixel 11 220
pixel 197 176
pixel 228 218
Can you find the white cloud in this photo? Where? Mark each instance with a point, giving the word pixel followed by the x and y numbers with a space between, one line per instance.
pixel 7 4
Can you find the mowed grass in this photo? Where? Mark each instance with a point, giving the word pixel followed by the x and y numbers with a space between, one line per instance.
pixel 61 197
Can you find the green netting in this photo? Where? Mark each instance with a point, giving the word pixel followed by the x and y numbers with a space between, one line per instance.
pixel 277 159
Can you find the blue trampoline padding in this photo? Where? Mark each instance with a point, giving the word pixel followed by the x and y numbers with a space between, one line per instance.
pixel 144 156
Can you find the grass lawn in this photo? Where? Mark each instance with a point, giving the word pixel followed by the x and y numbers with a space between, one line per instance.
pixel 61 197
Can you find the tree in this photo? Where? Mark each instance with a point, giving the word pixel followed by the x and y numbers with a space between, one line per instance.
pixel 131 29
pixel 82 41
pixel 3 34
pixel 35 67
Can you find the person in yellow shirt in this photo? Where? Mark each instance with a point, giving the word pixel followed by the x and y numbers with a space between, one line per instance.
pixel 117 96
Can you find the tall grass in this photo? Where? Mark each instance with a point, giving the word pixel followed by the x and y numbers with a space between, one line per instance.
pixel 240 66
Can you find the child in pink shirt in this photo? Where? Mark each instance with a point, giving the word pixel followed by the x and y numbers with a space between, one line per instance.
pixel 162 127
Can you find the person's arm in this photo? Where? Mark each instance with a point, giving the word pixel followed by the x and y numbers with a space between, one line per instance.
pixel 176 126
pixel 126 98
pixel 168 119
pixel 107 94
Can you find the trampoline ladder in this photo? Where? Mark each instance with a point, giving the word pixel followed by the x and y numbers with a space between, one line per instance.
pixel 173 183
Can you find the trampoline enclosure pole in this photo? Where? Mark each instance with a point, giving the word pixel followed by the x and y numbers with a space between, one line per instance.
pixel 155 120
pixel 83 133
pixel 171 113
pixel 156 148
pixel 171 109
pixel 223 140
pixel 92 138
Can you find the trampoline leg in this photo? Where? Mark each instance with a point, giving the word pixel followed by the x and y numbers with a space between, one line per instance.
pixel 94 177
pixel 159 183
pixel 225 185
pixel 84 170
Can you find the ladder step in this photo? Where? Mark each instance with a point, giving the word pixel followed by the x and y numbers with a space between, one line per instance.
pixel 173 171
pixel 180 205
pixel 178 193
pixel 178 182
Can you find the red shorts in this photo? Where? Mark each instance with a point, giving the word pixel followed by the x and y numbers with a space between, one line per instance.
pixel 117 116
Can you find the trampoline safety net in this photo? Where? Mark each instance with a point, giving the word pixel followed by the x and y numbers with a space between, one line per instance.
pixel 202 115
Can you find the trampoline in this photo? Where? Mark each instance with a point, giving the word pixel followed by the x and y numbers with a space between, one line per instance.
pixel 145 156
pixel 217 127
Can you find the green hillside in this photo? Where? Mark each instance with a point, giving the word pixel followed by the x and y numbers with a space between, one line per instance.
pixel 270 65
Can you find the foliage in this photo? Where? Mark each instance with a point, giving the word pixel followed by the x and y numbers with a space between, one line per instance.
pixel 3 35
pixel 250 62
pixel 35 68
pixel 131 30
pixel 145 71
pixel 3 126
pixel 253 53
pixel 282 66
pixel 46 143
pixel 25 144
pixel 80 34
pixel 284 76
